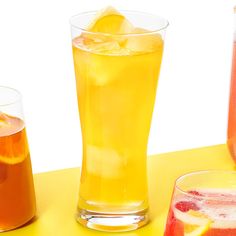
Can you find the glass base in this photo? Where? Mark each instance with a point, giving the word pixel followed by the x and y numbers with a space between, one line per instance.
pixel 13 227
pixel 112 222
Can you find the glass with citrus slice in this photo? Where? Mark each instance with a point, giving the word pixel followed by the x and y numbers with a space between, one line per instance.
pixel 17 197
pixel 117 59
pixel 203 204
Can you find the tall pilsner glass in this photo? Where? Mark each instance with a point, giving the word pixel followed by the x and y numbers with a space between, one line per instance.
pixel 116 78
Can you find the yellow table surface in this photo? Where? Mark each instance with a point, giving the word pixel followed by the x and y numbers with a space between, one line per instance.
pixel 57 193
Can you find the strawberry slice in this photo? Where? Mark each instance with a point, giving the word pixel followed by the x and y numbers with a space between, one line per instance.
pixel 185 206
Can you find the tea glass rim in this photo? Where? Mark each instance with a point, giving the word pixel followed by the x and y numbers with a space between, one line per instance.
pixel 17 96
pixel 86 13
pixel 187 193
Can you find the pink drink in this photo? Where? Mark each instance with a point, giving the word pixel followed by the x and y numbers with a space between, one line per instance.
pixel 205 212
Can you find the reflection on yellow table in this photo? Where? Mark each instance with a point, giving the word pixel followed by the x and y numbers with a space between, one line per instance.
pixel 57 193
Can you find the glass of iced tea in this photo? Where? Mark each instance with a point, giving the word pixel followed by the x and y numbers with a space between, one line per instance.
pixel 117 59
pixel 17 197
pixel 203 204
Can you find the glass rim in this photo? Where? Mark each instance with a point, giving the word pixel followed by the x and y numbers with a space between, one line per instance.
pixel 201 172
pixel 165 25
pixel 17 96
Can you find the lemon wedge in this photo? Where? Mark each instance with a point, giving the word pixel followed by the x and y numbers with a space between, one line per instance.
pixel 195 222
pixel 109 20
pixel 196 230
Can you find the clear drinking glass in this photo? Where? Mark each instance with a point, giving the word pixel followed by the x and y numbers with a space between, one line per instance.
pixel 17 197
pixel 203 203
pixel 116 77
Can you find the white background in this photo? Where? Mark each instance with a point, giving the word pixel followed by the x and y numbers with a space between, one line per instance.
pixel 192 99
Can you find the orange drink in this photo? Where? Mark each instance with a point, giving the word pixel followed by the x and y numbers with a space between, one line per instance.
pixel 117 67
pixel 17 198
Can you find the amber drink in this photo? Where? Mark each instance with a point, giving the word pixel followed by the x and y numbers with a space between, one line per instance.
pixel 17 198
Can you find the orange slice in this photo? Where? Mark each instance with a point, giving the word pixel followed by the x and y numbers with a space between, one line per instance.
pixel 12 160
pixel 110 21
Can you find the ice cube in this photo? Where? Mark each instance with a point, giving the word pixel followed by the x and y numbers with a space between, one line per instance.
pixel 104 162
pixel 144 41
pixel 105 47
pixel 99 64
pixel 108 45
